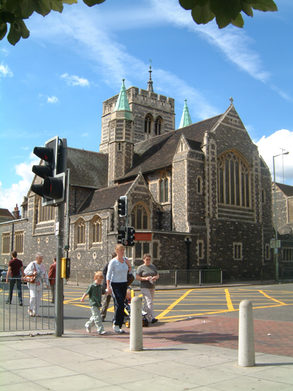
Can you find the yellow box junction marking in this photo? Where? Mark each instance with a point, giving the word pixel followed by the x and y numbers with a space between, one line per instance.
pixel 271 298
pixel 229 301
pixel 165 312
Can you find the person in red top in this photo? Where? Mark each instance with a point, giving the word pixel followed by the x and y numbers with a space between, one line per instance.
pixel 15 272
pixel 52 279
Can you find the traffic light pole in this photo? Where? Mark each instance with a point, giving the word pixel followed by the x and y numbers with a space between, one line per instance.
pixel 59 324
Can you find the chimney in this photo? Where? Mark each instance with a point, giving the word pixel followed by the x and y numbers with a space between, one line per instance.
pixel 16 213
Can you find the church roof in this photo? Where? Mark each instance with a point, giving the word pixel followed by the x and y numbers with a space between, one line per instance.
pixel 87 168
pixel 104 198
pixel 158 152
pixel 286 189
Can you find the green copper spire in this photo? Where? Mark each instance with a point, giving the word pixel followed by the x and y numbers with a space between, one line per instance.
pixel 185 119
pixel 122 102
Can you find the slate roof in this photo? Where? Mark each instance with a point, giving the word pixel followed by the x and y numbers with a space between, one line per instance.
pixel 104 198
pixel 5 215
pixel 87 168
pixel 286 189
pixel 158 152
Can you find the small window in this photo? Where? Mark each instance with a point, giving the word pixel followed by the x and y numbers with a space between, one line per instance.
pixel 267 252
pixel 45 213
pixel 96 230
pixel 200 249
pixel 140 217
pixel 199 185
pixel 5 243
pixel 263 196
pixel 80 232
pixel 148 124
pixel 158 126
pixel 164 189
pixel 237 251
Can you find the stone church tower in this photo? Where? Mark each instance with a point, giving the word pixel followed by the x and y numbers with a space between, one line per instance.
pixel 133 116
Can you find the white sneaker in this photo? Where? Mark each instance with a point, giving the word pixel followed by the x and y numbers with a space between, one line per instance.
pixel 102 332
pixel 88 329
pixel 116 328
pixel 121 331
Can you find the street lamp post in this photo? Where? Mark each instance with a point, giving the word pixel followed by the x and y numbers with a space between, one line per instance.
pixel 276 248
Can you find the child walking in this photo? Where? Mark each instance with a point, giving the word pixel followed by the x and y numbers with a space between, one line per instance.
pixel 95 295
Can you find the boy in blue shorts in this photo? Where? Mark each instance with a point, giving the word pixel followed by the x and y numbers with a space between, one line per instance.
pixel 95 295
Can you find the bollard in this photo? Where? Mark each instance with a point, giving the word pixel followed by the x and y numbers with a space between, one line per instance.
pixel 246 355
pixel 136 324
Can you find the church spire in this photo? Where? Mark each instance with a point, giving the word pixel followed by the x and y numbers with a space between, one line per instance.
pixel 150 82
pixel 185 119
pixel 122 102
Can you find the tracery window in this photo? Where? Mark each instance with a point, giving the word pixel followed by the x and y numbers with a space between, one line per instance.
pixel 140 217
pixel 96 229
pixel 164 189
pixel 80 232
pixel 158 125
pixel 234 180
pixel 148 123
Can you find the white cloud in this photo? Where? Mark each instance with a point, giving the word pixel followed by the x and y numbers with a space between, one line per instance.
pixel 52 99
pixel 13 195
pixel 73 80
pixel 5 71
pixel 275 144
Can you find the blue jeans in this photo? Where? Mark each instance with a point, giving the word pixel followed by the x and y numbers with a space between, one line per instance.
pixel 11 287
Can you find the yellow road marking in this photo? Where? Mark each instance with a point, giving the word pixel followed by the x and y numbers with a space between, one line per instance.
pixel 229 301
pixel 174 304
pixel 271 298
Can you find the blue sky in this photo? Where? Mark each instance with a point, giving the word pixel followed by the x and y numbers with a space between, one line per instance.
pixel 54 83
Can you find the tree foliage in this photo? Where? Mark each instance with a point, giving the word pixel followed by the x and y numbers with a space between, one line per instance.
pixel 225 11
pixel 14 12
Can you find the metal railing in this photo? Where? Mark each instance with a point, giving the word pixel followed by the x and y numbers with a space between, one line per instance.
pixel 15 317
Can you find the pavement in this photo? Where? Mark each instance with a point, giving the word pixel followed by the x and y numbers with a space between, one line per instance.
pixel 195 354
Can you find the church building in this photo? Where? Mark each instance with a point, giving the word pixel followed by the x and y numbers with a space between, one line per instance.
pixel 198 196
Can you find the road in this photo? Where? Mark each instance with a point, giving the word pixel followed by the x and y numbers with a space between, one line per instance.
pixel 270 302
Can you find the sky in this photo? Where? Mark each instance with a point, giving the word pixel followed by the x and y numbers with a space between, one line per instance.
pixel 54 82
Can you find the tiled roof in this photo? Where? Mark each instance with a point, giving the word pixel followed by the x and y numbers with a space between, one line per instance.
pixel 158 152
pixel 87 168
pixel 286 189
pixel 104 198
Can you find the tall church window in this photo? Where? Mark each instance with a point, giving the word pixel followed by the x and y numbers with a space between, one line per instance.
pixel 45 213
pixel 6 243
pixel 164 189
pixel 80 232
pixel 148 124
pixel 140 217
pixel 96 230
pixel 18 242
pixel 158 125
pixel 234 180
pixel 199 185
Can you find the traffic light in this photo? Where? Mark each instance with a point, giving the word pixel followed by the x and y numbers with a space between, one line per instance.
pixel 122 236
pixel 130 236
pixel 52 190
pixel 122 206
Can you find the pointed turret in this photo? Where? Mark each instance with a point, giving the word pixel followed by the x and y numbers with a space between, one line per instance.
pixel 150 82
pixel 185 119
pixel 122 102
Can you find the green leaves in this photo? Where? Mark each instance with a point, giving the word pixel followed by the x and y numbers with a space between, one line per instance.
pixel 225 11
pixel 13 13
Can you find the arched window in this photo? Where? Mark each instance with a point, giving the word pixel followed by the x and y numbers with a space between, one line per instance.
pixel 164 189
pixel 233 180
pixel 148 124
pixel 140 217
pixel 96 230
pixel 80 231
pixel 158 125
